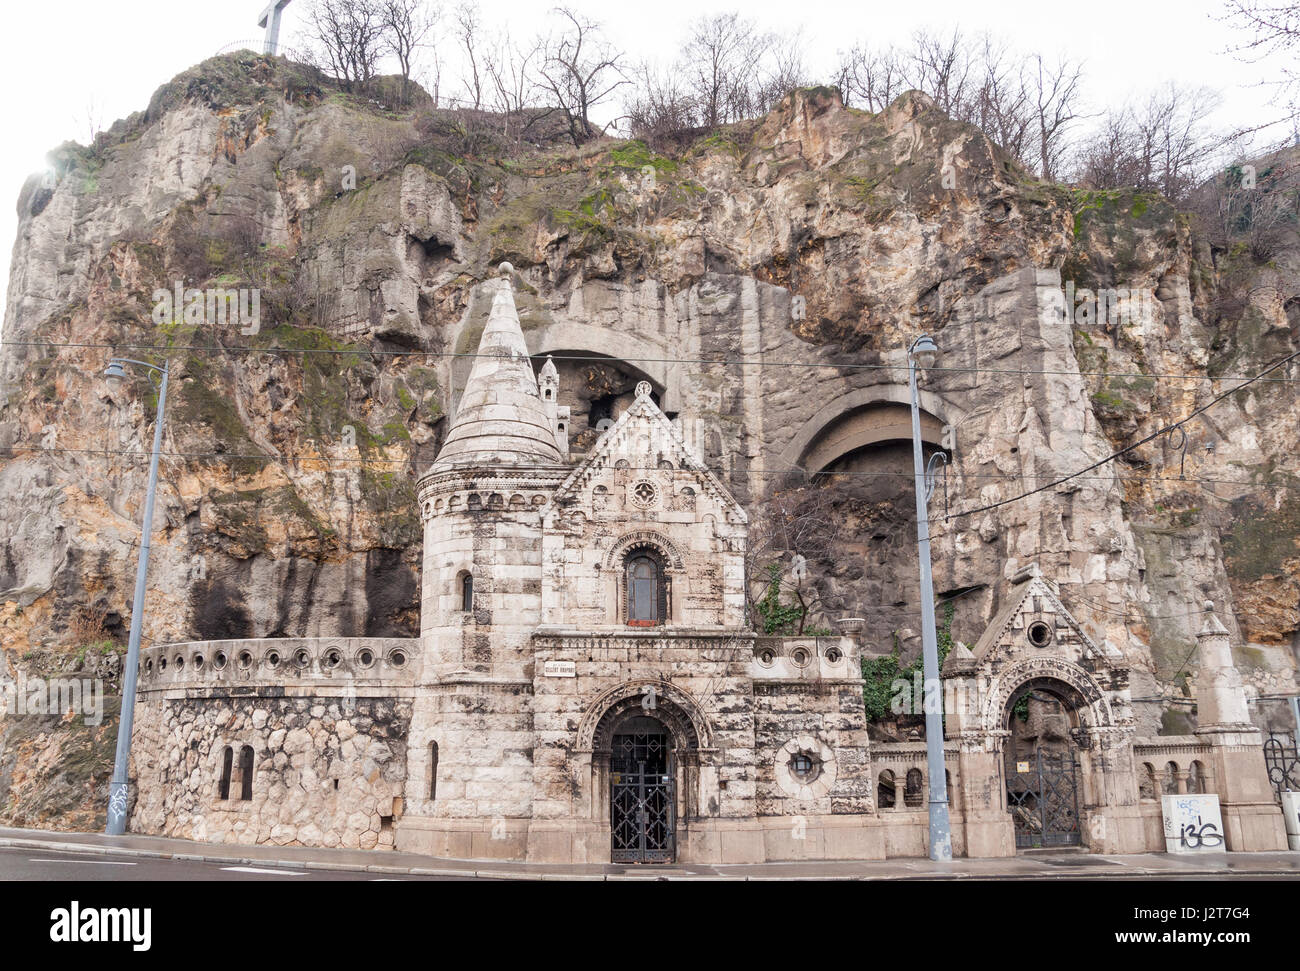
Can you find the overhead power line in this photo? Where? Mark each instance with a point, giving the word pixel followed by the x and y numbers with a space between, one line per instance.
pixel 608 358
pixel 1128 448
pixel 16 450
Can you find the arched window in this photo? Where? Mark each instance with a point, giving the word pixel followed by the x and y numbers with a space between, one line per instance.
pixel 246 773
pixel 433 770
pixel 1196 778
pixel 467 592
pixel 227 764
pixel 647 602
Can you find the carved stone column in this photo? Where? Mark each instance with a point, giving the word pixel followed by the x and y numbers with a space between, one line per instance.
pixel 1251 819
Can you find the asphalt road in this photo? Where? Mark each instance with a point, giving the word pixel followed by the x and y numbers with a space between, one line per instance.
pixel 18 864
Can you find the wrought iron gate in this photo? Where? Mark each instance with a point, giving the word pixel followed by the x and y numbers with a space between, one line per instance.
pixel 1283 762
pixel 1043 796
pixel 641 800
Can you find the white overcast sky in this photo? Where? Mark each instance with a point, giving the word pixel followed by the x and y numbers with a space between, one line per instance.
pixel 59 56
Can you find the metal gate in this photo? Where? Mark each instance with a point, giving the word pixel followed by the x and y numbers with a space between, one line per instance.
pixel 1282 760
pixel 1043 796
pixel 641 800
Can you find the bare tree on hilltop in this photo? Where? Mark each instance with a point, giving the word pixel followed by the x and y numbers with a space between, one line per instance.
pixel 1054 89
pixel 578 71
pixel 1274 28
pixel 1027 106
pixel 720 62
pixel 1161 145
pixel 346 37
pixel 468 32
pixel 405 25
pixel 727 70
pixel 511 74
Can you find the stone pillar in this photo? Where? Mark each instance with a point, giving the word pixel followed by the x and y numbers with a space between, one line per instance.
pixel 988 828
pixel 1111 817
pixel 1252 821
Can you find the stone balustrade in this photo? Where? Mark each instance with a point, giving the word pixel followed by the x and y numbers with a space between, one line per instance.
pixel 1171 764
pixel 805 659
pixel 312 661
pixel 895 763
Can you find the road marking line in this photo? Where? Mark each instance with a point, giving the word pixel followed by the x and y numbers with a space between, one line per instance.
pixel 254 869
pixel 97 862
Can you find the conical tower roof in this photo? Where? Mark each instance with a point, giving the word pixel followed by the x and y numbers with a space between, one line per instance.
pixel 500 419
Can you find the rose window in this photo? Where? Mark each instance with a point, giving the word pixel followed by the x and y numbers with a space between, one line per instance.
pixel 645 494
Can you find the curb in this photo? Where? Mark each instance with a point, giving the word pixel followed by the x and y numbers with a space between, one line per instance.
pixel 1061 873
pixel 94 849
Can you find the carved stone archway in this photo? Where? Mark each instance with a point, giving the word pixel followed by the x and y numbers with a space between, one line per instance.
pixel 1047 760
pixel 673 558
pixel 1083 694
pixel 672 702
pixel 682 719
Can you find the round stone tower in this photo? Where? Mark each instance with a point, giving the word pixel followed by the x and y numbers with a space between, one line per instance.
pixel 469 790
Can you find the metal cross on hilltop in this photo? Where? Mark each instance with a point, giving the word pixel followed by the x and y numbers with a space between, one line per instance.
pixel 270 19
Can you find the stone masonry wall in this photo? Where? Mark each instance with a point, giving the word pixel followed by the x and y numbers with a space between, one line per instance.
pixel 829 713
pixel 327 771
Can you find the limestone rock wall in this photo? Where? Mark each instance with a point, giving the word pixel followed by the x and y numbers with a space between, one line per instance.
pixel 766 281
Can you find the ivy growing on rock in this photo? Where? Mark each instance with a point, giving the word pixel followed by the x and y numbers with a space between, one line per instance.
pixel 784 619
pixel 880 673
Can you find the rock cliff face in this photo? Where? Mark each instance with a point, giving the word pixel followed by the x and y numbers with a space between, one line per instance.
pixel 766 279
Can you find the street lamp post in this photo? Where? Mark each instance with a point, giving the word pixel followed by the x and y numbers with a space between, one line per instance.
pixel 922 354
pixel 117 787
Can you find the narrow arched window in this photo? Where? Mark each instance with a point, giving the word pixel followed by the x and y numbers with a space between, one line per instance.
pixel 913 789
pixel 467 592
pixel 643 587
pixel 246 773
pixel 885 793
pixel 433 770
pixel 227 764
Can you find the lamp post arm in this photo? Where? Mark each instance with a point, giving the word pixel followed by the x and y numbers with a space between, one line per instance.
pixel 117 799
pixel 152 367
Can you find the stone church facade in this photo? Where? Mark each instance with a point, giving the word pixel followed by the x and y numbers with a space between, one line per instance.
pixel 585 688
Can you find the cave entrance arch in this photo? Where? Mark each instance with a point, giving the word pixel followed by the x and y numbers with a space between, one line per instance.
pixel 1044 729
pixel 597 386
pixel 859 420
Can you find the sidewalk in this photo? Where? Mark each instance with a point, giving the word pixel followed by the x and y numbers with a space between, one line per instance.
pixel 1035 866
